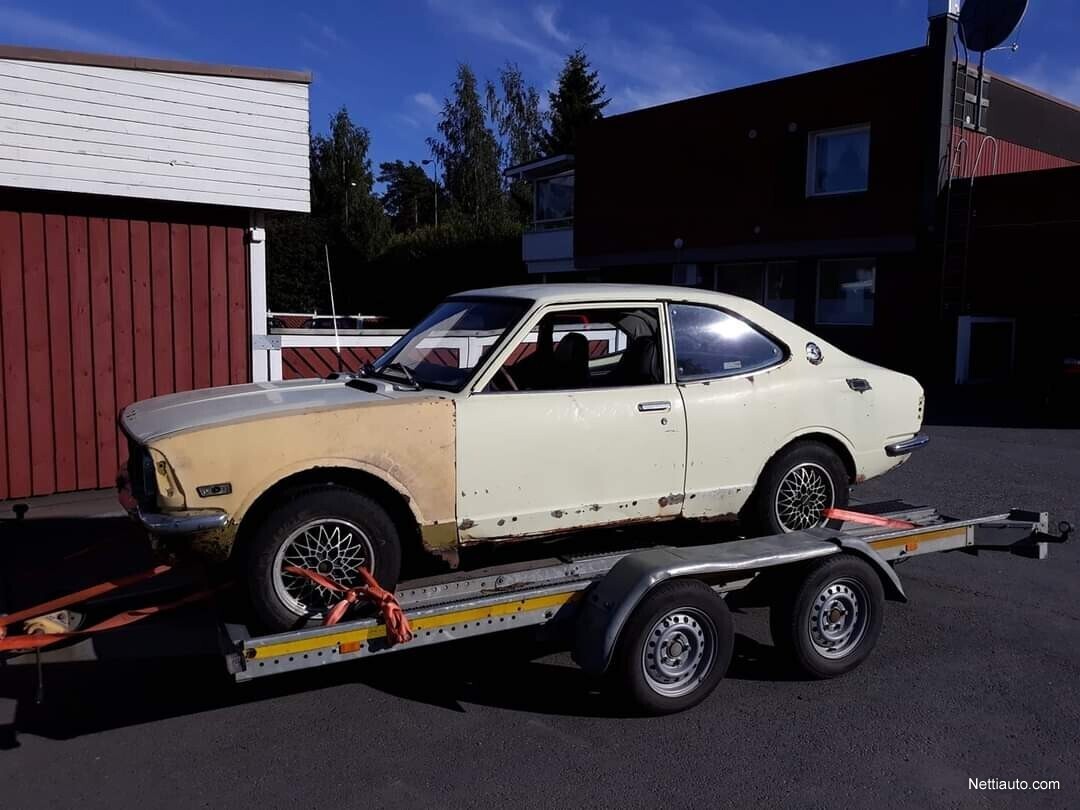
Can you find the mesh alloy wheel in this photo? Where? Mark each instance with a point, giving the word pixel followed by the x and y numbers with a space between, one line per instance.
pixel 805 491
pixel 331 546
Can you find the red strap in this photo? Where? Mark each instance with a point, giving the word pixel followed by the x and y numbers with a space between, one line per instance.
pixel 870 520
pixel 397 624
pixel 39 640
pixel 79 596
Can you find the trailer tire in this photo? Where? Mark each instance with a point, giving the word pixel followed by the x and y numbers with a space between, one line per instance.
pixel 674 648
pixel 374 542
pixel 829 620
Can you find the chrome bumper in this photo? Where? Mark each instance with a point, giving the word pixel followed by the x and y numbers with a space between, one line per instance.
pixel 188 521
pixel 907 445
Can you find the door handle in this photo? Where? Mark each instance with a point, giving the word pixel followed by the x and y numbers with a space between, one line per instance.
pixel 650 407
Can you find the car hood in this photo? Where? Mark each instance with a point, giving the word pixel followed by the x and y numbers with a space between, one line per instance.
pixel 153 418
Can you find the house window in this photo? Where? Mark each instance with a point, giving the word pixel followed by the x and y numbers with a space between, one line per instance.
pixel 554 200
pixel 781 286
pixel 845 294
pixel 838 161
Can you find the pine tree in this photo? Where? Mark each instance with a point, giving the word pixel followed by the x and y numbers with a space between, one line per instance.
pixel 469 154
pixel 577 100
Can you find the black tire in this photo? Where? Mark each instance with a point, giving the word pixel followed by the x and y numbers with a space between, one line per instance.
pixel 816 457
pixel 794 615
pixel 328 502
pixel 712 628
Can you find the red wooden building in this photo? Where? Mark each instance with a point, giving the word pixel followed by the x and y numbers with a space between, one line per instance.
pixel 132 253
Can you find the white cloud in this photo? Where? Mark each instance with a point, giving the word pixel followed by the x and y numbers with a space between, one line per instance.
pixel 427 102
pixel 163 18
pixel 1062 82
pixel 769 48
pixel 483 20
pixel 28 28
pixel 545 18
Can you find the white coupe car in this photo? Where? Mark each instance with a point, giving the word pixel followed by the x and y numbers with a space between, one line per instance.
pixel 517 413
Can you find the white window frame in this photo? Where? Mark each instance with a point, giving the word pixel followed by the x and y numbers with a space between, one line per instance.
pixel 817 291
pixel 811 159
pixel 963 345
pixel 536 202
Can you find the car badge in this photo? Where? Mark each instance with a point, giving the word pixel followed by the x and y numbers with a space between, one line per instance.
pixel 813 353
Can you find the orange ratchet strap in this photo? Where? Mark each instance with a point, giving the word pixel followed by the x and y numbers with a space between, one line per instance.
pixel 848 516
pixel 70 599
pixel 39 640
pixel 397 625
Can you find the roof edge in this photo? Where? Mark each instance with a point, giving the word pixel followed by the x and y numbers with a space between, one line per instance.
pixel 31 54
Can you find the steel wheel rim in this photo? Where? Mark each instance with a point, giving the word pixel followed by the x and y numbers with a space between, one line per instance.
pixel 804 493
pixel 839 618
pixel 331 546
pixel 679 652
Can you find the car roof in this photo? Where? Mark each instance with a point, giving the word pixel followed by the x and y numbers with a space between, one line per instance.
pixel 553 293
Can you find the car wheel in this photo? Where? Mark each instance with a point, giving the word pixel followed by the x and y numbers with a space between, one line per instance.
pixel 332 530
pixel 797 486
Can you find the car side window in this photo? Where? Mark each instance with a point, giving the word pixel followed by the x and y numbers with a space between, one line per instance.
pixel 712 343
pixel 587 348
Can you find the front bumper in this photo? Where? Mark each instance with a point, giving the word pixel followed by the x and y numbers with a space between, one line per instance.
pixel 907 445
pixel 168 524
pixel 184 521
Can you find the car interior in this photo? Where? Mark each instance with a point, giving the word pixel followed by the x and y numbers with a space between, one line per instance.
pixel 602 348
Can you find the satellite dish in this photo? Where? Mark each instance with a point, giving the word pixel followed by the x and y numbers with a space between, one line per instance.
pixel 985 24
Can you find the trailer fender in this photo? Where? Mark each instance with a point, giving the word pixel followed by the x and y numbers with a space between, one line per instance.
pixel 609 602
pixel 894 591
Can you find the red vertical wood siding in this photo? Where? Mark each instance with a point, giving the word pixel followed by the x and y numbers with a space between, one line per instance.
pixel 99 311
pixel 1005 158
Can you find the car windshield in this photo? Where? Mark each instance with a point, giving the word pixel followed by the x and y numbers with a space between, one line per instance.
pixel 447 346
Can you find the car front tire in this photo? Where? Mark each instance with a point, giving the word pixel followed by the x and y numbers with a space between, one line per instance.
pixel 330 529
pixel 797 485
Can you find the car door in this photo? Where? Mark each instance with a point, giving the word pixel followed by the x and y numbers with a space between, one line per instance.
pixel 565 451
pixel 730 375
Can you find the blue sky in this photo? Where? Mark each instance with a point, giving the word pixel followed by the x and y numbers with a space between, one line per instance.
pixel 391 63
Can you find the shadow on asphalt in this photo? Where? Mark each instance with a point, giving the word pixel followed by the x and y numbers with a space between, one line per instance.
pixel 145 678
pixel 500 672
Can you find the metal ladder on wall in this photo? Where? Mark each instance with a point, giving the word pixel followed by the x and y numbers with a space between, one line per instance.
pixel 959 213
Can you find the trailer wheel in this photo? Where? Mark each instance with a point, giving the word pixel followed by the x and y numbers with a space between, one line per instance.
pixel 830 621
pixel 675 647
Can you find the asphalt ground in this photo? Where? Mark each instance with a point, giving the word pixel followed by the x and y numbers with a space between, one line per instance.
pixel 975 678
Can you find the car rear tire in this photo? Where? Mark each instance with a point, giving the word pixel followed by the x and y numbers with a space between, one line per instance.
pixel 797 485
pixel 331 529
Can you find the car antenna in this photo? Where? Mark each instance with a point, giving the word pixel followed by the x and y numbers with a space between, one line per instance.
pixel 333 310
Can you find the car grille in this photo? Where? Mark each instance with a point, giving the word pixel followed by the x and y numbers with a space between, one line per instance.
pixel 141 475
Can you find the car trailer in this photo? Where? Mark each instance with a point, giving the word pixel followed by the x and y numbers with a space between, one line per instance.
pixel 655 621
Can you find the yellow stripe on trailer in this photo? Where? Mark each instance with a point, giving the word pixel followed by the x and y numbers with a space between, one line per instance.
pixel 920 538
pixel 355 638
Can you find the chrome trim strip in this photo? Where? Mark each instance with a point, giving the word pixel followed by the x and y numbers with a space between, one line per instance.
pixel 906 446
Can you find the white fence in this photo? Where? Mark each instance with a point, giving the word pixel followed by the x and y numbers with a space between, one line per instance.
pixel 468 347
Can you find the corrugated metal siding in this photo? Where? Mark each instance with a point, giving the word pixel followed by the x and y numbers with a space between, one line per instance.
pixel 95 313
pixel 1006 158
pixel 168 136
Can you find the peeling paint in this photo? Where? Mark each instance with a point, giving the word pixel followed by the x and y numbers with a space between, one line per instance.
pixel 467 523
pixel 673 499
pixel 557 513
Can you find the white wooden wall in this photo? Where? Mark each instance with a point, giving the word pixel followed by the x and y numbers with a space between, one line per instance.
pixel 149 134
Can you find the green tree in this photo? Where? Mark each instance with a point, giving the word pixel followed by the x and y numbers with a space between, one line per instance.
pixel 469 154
pixel 409 199
pixel 342 187
pixel 578 99
pixel 520 122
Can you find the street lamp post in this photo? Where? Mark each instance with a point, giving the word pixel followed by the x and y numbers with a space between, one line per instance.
pixel 435 173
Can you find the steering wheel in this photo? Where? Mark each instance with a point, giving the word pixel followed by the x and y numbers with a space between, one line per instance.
pixel 509 380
